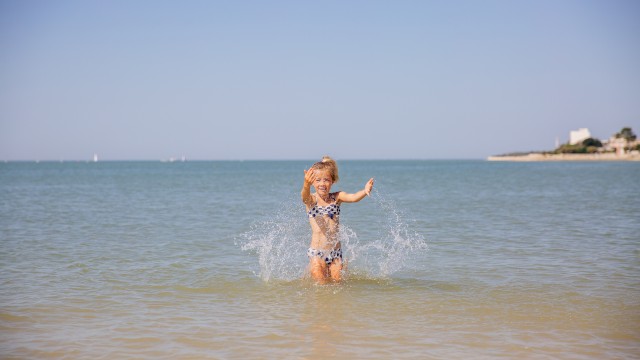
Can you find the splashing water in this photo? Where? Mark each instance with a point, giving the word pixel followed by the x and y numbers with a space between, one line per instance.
pixel 395 242
pixel 281 243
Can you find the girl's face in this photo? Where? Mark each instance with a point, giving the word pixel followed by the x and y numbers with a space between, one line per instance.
pixel 323 182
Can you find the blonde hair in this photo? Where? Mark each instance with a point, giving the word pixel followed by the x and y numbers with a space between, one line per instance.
pixel 327 163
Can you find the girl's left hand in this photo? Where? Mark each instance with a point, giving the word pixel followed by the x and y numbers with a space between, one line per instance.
pixel 368 187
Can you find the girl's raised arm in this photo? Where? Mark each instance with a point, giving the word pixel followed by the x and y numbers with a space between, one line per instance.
pixel 309 178
pixel 350 198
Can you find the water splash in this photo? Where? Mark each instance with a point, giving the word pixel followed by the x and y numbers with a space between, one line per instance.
pixel 282 241
pixel 395 243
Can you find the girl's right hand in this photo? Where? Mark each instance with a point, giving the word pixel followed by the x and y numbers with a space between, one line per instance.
pixel 309 176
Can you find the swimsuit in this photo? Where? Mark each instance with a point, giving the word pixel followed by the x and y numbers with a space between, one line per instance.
pixel 327 255
pixel 330 210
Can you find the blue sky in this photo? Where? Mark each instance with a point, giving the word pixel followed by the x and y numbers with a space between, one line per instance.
pixel 300 79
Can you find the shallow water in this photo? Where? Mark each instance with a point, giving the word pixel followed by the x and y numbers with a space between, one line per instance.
pixel 447 259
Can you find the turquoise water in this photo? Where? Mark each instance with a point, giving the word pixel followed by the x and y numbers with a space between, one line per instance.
pixel 447 259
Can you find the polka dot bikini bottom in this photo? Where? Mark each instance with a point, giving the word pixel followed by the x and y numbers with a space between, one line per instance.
pixel 327 255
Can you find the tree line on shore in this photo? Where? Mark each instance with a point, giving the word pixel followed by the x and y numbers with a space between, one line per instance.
pixel 593 145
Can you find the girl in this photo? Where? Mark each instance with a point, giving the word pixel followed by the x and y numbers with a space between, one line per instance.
pixel 323 209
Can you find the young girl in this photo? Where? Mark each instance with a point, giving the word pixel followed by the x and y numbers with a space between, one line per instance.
pixel 323 209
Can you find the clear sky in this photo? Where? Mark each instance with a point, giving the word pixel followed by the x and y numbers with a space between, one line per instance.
pixel 300 79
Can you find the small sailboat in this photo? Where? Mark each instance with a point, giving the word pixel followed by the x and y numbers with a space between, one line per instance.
pixel 95 157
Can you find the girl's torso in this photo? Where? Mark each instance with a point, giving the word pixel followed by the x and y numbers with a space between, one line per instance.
pixel 324 218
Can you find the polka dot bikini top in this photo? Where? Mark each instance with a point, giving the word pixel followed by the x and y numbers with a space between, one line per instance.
pixel 330 210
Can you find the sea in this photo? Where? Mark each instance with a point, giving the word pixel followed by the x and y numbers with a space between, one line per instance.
pixel 447 259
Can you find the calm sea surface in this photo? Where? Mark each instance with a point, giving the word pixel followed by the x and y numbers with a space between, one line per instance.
pixel 206 260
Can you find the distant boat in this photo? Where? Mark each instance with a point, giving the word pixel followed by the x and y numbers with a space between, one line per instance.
pixel 95 157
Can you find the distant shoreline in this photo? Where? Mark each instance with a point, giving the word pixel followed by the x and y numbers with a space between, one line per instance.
pixel 566 157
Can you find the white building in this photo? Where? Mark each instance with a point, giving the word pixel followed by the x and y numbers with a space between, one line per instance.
pixel 577 136
pixel 618 145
